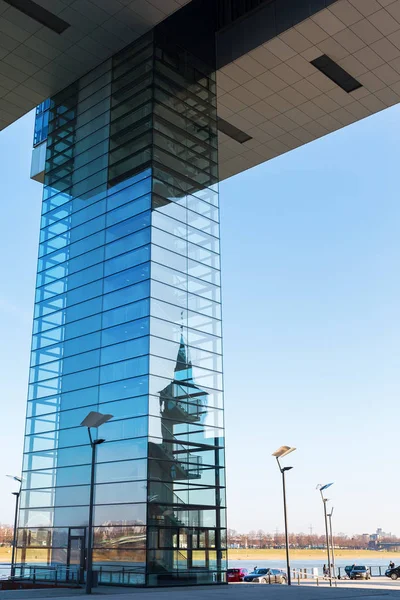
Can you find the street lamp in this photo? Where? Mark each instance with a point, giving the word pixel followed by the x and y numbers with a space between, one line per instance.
pixel 280 453
pixel 17 495
pixel 93 420
pixel 321 488
pixel 332 546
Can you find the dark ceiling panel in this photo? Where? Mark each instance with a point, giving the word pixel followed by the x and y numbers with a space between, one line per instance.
pixel 335 73
pixel 233 132
pixel 40 14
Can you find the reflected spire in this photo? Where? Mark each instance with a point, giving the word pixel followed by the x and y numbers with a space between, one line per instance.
pixel 183 362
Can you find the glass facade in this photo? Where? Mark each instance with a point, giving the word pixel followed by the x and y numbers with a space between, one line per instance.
pixel 128 322
pixel 41 123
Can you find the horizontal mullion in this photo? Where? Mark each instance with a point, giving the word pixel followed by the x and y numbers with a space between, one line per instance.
pixel 101 277
pixel 166 68
pixel 161 78
pixel 107 110
pixel 184 134
pixel 212 137
pixel 194 185
pixel 162 97
pixel 48 213
pixel 71 160
pixel 77 427
pixel 69 244
pixel 102 261
pixel 216 269
pixel 186 148
pixel 76 93
pixel 163 178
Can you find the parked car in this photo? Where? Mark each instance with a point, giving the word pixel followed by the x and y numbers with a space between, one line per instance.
pixel 266 576
pixel 360 572
pixel 236 575
pixel 393 573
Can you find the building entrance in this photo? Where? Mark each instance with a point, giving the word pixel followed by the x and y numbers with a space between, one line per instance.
pixel 76 555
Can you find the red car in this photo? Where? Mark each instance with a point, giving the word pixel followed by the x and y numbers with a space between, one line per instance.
pixel 235 575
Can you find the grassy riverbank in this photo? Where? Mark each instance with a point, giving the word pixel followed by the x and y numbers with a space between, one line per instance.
pixel 304 554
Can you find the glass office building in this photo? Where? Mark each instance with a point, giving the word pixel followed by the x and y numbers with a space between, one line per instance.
pixel 128 322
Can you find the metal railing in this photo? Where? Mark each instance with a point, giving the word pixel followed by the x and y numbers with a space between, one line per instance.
pixel 50 575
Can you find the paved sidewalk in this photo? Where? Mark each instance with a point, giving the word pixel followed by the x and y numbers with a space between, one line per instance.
pixel 376 590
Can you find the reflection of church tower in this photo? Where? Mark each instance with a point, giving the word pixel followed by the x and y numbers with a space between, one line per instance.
pixel 182 404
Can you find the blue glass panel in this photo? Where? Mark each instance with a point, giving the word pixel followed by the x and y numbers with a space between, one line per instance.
pixel 140 238
pixel 128 182
pixel 120 493
pixel 129 312
pixel 126 331
pixel 72 496
pixel 72 437
pixel 123 450
pixel 77 475
pixel 79 311
pixel 122 430
pixel 81 362
pixel 122 409
pixel 125 261
pixel 126 295
pixel 129 193
pixel 128 210
pixel 126 278
pixel 118 514
pixel 83 326
pixel 127 470
pixel 75 399
pixel 77 516
pixel 138 386
pixel 125 350
pixel 80 380
pixel 82 344
pixel 123 370
pixel 81 455
pixel 129 226
pixel 87 229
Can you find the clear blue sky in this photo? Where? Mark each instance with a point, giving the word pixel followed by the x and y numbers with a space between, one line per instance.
pixel 311 256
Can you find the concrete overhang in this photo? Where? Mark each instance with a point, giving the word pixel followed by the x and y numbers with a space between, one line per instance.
pixel 37 61
pixel 271 97
pixel 282 101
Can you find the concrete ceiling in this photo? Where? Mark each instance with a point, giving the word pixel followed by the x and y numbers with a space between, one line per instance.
pixel 282 101
pixel 36 62
pixel 273 94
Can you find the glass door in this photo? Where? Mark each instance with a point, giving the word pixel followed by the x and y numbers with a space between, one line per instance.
pixel 76 555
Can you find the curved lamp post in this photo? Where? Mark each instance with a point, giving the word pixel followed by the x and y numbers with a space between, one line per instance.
pixel 17 495
pixel 321 488
pixel 93 420
pixel 280 453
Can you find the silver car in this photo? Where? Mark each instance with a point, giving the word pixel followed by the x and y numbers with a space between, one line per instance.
pixel 266 576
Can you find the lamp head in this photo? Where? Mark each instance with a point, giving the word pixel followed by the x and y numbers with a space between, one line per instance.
pixel 283 451
pixel 95 419
pixel 324 487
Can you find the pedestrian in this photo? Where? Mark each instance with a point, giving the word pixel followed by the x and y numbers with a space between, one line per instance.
pixel 391 565
pixel 324 571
